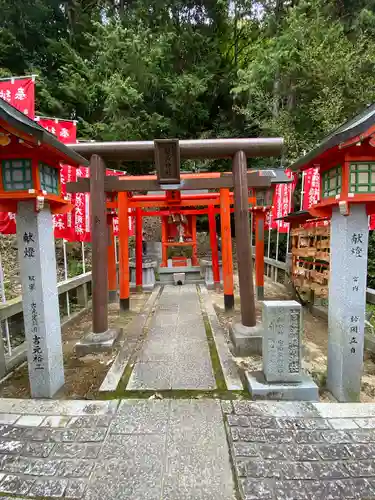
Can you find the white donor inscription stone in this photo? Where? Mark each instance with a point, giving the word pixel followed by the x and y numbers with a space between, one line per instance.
pixel 36 251
pixel 282 320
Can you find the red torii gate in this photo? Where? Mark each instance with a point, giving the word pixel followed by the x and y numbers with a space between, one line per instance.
pixel 168 204
pixel 166 154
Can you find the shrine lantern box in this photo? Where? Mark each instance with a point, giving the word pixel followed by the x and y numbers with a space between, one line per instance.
pixel 346 163
pixel 262 198
pixel 26 176
pixel 30 162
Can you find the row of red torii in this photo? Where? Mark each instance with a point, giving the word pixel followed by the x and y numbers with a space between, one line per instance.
pixel 111 194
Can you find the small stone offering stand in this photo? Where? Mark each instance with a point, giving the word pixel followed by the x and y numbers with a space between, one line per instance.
pixel 282 376
pixel 207 272
pixel 30 160
pixel 148 274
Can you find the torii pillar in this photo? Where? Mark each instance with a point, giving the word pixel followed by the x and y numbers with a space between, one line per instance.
pixel 111 258
pixel 246 336
pixel 101 338
pixel 226 249
pixel 260 219
pixel 124 278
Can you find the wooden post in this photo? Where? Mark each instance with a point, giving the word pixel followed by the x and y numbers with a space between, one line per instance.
pixel 259 253
pixel 213 244
pixel 244 256
pixel 99 234
pixel 138 249
pixel 111 259
pixel 123 223
pixel 164 238
pixel 226 249
pixel 194 258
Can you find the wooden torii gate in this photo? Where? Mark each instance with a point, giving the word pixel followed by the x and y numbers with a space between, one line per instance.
pixel 167 153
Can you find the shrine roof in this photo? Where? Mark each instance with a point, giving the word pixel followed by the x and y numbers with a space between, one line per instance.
pixel 350 129
pixel 299 216
pixel 20 122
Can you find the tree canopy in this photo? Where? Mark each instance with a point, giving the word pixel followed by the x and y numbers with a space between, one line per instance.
pixel 139 69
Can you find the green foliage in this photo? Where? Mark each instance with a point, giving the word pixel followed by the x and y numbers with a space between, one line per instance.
pixel 139 69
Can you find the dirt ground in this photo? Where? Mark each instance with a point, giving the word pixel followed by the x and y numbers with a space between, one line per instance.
pixel 83 376
pixel 315 343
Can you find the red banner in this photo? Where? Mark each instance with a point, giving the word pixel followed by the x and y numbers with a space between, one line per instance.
pixel 63 224
pixel 111 172
pixel 20 93
pixel 7 223
pixel 371 225
pixel 311 188
pixel 269 223
pixel 81 212
pixel 282 203
pixel 64 130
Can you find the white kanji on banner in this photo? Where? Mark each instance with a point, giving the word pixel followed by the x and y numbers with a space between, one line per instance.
pixel 64 132
pixel 6 95
pixel 311 188
pixel 20 95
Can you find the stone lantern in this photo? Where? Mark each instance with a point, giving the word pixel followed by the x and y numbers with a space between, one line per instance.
pixel 30 160
pixel 346 162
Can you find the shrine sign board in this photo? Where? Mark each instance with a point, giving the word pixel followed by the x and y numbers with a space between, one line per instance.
pixel 167 160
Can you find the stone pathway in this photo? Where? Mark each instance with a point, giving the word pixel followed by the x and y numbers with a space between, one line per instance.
pixel 178 450
pixel 292 451
pixel 175 353
pixel 133 449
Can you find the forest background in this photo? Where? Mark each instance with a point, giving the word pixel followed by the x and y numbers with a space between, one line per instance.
pixel 140 69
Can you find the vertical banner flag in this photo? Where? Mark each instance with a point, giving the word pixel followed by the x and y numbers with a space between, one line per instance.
pixel 311 188
pixel 268 223
pixel 20 93
pixel 63 224
pixel 371 222
pixel 282 203
pixel 66 132
pixel 7 223
pixel 111 172
pixel 81 213
pixel 115 219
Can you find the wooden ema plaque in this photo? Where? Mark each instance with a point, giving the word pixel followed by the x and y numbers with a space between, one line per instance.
pixel 167 160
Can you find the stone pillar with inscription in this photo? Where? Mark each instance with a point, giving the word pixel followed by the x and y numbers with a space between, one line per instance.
pixel 282 376
pixel 347 302
pixel 36 251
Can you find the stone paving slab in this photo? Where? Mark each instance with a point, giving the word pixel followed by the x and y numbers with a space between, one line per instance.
pixel 128 345
pixel 177 449
pixel 175 353
pixel 52 407
pixel 143 449
pixel 301 450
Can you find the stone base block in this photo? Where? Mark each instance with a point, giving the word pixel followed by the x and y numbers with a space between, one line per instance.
pixel 97 342
pixel 259 388
pixel 179 278
pixel 210 285
pixel 246 340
